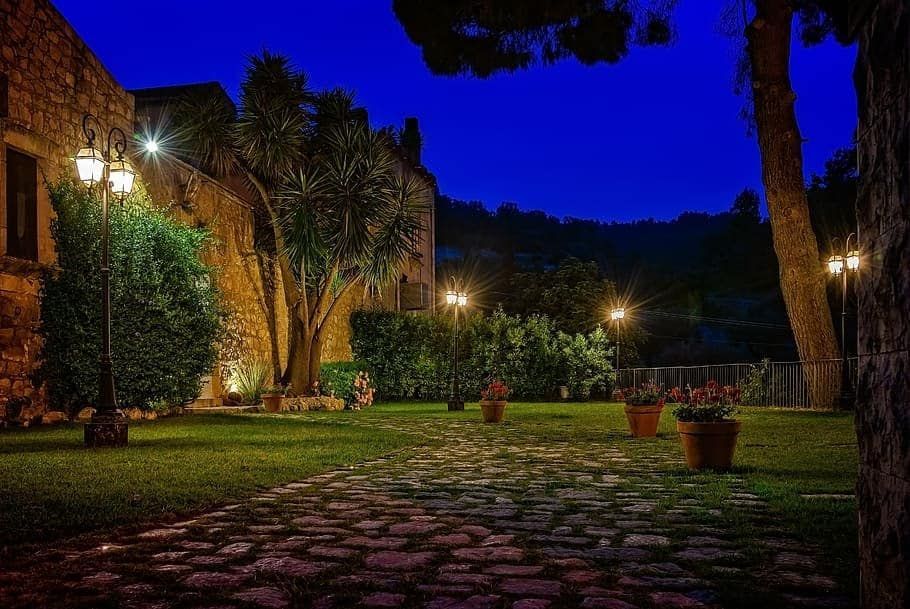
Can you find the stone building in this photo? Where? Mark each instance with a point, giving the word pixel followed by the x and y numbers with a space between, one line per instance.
pixel 49 79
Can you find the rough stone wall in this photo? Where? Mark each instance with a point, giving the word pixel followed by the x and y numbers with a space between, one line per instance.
pixel 337 332
pixel 53 80
pixel 19 315
pixel 198 200
pixel 882 79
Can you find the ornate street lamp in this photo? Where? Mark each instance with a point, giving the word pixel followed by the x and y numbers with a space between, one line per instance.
pixel 108 426
pixel 456 300
pixel 839 265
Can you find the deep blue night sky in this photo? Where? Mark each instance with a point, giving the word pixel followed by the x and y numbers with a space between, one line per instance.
pixel 654 135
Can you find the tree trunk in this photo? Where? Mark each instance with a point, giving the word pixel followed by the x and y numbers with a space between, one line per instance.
pixel 297 374
pixel 802 277
pixel 882 79
pixel 267 275
pixel 315 362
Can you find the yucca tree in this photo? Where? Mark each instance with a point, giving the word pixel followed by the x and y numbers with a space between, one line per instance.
pixel 343 210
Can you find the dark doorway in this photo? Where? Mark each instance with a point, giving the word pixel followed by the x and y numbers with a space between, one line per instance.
pixel 21 205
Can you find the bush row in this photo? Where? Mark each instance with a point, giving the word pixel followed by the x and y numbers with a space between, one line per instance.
pixel 410 356
pixel 166 317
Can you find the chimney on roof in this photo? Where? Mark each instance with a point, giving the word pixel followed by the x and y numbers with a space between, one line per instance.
pixel 411 141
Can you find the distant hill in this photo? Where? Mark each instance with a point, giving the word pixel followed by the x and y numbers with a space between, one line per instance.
pixel 706 285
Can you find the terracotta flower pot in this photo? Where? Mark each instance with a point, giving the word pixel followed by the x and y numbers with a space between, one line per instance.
pixel 709 445
pixel 644 419
pixel 493 410
pixel 272 401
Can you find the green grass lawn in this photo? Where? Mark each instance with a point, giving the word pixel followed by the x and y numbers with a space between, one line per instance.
pixel 50 486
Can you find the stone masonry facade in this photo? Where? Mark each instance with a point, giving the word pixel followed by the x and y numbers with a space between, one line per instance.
pixel 49 79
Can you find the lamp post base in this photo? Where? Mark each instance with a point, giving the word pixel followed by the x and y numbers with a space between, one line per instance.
pixel 107 430
pixel 456 404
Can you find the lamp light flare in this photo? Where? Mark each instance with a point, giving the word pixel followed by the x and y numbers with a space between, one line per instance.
pixel 618 313
pixel 462 299
pixel 836 264
pixel 152 147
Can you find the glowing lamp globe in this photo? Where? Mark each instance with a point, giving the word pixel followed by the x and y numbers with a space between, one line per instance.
pixel 462 299
pixel 152 147
pixel 122 177
pixel 90 165
pixel 852 260
pixel 451 297
pixel 836 264
pixel 617 313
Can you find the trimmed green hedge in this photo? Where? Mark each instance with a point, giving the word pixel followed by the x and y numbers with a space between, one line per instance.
pixel 166 316
pixel 410 356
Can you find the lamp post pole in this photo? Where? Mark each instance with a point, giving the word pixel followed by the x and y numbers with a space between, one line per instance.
pixel 108 426
pixel 456 300
pixel 841 265
pixel 617 315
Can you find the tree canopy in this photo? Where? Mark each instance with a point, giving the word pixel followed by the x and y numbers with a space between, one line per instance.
pixel 488 36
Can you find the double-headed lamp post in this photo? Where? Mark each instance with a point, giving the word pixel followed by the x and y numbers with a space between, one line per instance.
pixel 113 172
pixel 839 265
pixel 456 300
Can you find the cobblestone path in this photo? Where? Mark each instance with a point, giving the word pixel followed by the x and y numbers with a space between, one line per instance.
pixel 478 517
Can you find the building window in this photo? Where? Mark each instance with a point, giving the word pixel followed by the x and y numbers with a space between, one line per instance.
pixel 21 205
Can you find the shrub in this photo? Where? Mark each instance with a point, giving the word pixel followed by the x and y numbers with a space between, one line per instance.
pixel 754 386
pixel 250 379
pixel 337 379
pixel 586 361
pixel 409 356
pixel 166 314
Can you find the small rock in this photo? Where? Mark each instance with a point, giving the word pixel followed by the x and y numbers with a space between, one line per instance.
pixel 270 598
pixel 85 415
pixel 383 599
pixel 399 561
pixel 531 587
pixel 53 417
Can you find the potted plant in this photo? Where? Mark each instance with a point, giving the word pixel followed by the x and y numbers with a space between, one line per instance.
pixel 493 401
pixel 643 408
pixel 272 396
pixel 707 429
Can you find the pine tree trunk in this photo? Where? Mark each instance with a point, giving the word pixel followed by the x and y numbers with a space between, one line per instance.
pixel 802 278
pixel 882 79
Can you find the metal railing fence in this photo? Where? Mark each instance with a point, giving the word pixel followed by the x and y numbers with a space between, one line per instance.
pixel 770 383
